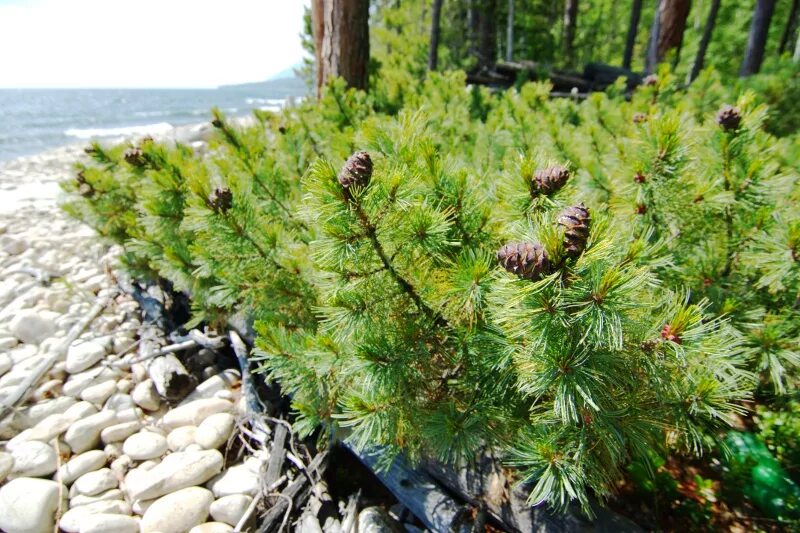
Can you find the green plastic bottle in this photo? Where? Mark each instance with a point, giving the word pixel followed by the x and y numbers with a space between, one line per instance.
pixel 769 487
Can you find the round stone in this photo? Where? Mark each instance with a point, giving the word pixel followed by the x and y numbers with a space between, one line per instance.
pixel 29 505
pixel 215 430
pixel 144 445
pixel 230 509
pixel 34 459
pixel 177 512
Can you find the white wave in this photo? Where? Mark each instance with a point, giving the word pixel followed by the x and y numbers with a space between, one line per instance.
pixel 151 129
pixel 268 101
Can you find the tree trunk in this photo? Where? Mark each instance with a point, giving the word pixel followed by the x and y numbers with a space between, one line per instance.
pixel 341 38
pixel 570 19
pixel 757 40
pixel 487 46
pixel 668 27
pixel 651 59
pixel 510 32
pixel 433 53
pixel 633 29
pixel 701 50
pixel 790 25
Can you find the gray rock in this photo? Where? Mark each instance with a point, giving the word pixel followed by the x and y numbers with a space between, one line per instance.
pixel 28 505
pixel 177 512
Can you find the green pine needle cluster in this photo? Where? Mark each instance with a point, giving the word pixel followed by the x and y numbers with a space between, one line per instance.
pixel 650 285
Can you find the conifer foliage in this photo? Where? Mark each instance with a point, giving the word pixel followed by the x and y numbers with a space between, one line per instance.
pixel 435 270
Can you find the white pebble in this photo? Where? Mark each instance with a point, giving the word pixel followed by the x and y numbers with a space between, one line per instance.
pixel 177 512
pixel 31 327
pixel 230 509
pixel 80 465
pixel 85 433
pixel 175 471
pixel 215 430
pixel 119 432
pixel 193 413
pixel 84 355
pixel 144 445
pixel 93 483
pixel 145 395
pixel 34 459
pixel 29 505
pixel 179 438
pixel 97 394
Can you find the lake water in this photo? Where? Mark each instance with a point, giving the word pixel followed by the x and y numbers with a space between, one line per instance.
pixel 34 120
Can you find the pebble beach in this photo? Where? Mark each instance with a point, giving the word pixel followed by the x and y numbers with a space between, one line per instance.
pixel 90 446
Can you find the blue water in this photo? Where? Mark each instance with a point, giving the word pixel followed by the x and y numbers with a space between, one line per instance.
pixel 34 120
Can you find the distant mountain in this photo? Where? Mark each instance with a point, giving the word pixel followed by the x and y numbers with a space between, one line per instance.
pixel 275 87
pixel 286 73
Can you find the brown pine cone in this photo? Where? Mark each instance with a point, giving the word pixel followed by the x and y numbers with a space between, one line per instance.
pixel 650 80
pixel 357 170
pixel 134 157
pixel 221 200
pixel 639 118
pixel 729 118
pixel 575 220
pixel 549 180
pixel 639 178
pixel 526 259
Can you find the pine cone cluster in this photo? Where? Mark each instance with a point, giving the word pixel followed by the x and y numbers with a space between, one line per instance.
pixel 549 180
pixel 134 157
pixel 575 220
pixel 639 178
pixel 526 259
pixel 650 80
pixel 357 171
pixel 639 118
pixel 85 188
pixel 729 118
pixel 221 200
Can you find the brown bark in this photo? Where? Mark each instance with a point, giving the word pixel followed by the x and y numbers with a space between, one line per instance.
pixel 757 40
pixel 668 28
pixel 341 38
pixel 570 20
pixel 433 52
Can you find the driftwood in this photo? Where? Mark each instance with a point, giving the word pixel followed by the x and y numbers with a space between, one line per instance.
pixel 418 491
pixel 23 389
pixel 485 485
pixel 595 76
pixel 297 491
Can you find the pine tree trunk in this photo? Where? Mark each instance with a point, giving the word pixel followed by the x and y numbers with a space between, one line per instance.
pixel 668 27
pixel 341 37
pixel 701 50
pixel 570 19
pixel 651 59
pixel 487 45
pixel 433 53
pixel 633 29
pixel 510 32
pixel 757 40
pixel 790 25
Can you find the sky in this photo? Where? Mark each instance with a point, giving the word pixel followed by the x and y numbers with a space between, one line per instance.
pixel 146 43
